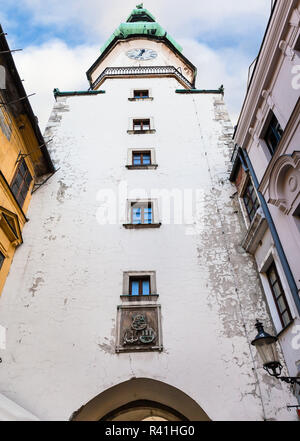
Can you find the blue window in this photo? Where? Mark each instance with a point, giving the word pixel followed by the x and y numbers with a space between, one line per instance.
pixel 141 213
pixel 141 158
pixel 139 286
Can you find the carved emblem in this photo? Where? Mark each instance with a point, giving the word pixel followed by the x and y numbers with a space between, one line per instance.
pixel 139 332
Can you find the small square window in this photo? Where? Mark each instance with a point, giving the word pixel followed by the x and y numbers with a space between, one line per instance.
pixel 141 94
pixel 2 258
pixel 141 158
pixel 273 134
pixel 141 124
pixel 139 286
pixel 141 213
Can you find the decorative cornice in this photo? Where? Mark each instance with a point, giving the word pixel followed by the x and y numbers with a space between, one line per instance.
pixel 277 182
pixel 141 71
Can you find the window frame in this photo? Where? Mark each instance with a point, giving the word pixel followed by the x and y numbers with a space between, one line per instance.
pixel 252 196
pixel 134 94
pixel 142 150
pixel 129 218
pixel 19 194
pixel 142 153
pixel 126 296
pixel 137 125
pixel 140 279
pixel 272 267
pixel 141 205
pixel 141 122
pixel 137 94
pixel 272 128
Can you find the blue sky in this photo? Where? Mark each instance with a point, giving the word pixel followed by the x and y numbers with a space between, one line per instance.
pixel 62 38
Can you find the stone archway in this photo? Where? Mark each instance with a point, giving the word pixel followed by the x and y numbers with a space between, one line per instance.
pixel 141 399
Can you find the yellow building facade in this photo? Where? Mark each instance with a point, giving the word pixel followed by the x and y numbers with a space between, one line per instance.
pixel 24 158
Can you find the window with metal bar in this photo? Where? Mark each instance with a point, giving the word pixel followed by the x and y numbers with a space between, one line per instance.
pixel 273 135
pixel 141 124
pixel 279 296
pixel 141 158
pixel 2 258
pixel 250 200
pixel 21 183
pixel 141 213
pixel 139 286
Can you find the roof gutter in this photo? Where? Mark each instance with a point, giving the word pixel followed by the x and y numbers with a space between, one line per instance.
pixel 204 91
pixel 58 93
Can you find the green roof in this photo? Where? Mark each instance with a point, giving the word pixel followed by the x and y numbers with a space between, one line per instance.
pixel 140 14
pixel 140 22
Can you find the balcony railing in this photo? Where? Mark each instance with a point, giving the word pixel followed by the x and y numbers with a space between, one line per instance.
pixel 141 71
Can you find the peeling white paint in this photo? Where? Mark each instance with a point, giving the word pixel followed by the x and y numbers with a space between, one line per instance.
pixel 60 313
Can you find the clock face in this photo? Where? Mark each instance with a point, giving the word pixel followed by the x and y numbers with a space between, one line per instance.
pixel 142 54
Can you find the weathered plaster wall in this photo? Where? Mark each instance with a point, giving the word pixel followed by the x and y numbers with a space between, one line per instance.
pixel 60 303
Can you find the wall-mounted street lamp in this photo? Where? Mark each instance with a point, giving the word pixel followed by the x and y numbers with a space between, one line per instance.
pixel 266 347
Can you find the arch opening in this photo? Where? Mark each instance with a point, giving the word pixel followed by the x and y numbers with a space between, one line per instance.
pixel 141 399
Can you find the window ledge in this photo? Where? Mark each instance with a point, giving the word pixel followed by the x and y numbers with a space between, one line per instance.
pixel 255 233
pixel 141 99
pixel 151 298
pixel 141 132
pixel 140 226
pixel 142 167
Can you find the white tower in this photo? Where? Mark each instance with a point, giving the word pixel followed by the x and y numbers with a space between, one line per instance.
pixel 131 295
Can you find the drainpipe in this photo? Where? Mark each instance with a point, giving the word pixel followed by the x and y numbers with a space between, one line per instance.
pixel 280 251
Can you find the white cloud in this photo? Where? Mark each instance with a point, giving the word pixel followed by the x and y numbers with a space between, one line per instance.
pixel 53 65
pixel 103 17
